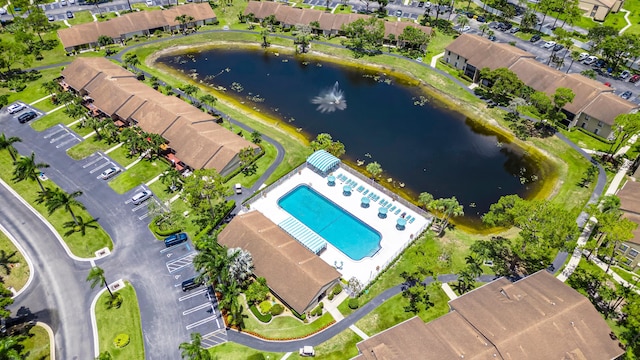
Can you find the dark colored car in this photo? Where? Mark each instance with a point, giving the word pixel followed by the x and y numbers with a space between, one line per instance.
pixel 481 19
pixel 492 38
pixel 191 284
pixel 491 103
pixel 535 38
pixel 175 239
pixel 600 63
pixel 506 26
pixel 69 15
pixel 27 116
pixel 558 47
pixel 626 95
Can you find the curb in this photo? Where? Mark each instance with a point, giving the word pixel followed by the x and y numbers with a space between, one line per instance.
pixel 27 259
pixel 52 339
pixel 94 323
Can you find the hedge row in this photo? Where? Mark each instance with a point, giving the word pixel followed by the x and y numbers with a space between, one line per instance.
pixel 153 226
pixel 260 336
pixel 265 318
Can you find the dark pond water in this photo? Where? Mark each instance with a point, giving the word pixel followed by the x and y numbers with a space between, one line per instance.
pixel 417 142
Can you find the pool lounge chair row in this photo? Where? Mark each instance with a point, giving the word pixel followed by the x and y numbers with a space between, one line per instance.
pixel 373 197
pixel 410 219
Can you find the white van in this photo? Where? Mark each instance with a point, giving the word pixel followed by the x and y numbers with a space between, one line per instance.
pixel 238 188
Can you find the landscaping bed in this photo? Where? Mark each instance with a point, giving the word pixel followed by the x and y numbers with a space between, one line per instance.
pixel 123 320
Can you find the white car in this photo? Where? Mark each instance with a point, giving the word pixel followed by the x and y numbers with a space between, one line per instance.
pixel 63 2
pixel 149 2
pixel 109 173
pixel 549 44
pixel 238 188
pixel 466 28
pixel 590 60
pixel 141 197
pixel 583 56
pixel 3 11
pixel 625 74
pixel 17 107
pixel 307 351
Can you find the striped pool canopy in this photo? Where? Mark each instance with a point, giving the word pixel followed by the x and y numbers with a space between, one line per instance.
pixel 323 161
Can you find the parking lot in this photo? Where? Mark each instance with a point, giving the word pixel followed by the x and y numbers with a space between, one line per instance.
pixel 198 307
pixel 61 136
pixel 142 210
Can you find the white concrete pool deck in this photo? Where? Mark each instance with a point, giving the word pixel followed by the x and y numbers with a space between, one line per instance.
pixel 393 240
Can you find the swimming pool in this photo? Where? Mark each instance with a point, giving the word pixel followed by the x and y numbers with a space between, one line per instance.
pixel 354 238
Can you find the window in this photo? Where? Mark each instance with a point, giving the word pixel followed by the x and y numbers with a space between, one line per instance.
pixel 587 118
pixel 599 123
pixel 584 124
pixel 456 64
pixel 457 57
pixel 633 253
pixel 627 262
pixel 623 247
pixel 448 53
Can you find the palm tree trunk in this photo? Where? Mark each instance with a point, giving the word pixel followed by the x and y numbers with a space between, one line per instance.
pixel 39 183
pixel 73 216
pixel 570 65
pixel 107 286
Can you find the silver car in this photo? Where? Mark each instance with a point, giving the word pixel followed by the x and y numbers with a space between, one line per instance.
pixel 141 197
pixel 109 173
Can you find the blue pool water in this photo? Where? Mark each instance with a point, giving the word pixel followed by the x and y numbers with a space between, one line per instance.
pixel 350 235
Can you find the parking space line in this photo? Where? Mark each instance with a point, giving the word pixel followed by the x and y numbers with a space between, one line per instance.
pixel 197 308
pixel 61 128
pixel 181 262
pixel 193 294
pixel 201 322
pixel 99 167
pixel 73 138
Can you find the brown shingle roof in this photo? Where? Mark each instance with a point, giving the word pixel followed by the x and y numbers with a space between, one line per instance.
pixel 630 197
pixel 294 273
pixel 88 33
pixel 481 52
pixel 607 105
pixel 193 134
pixel 538 317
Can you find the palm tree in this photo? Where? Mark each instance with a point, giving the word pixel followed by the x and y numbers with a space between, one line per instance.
pixel 208 99
pixel 51 87
pixel 58 198
pixel 230 292
pixel 256 137
pixel 26 168
pixel 241 266
pixel 483 28
pixel 374 169
pixel 448 208
pixel 76 112
pixel 110 132
pixel 96 276
pixel 425 199
pixel 184 20
pixel 264 33
pixel 193 350
pixel 189 90
pixel 6 143
pixel 81 226
pixel 9 347
pixel 6 259
pixel 212 261
pixel 172 178
pixel 105 356
pixel 575 55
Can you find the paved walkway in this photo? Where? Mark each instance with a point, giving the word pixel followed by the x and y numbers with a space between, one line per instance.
pixel 626 18
pixel 435 58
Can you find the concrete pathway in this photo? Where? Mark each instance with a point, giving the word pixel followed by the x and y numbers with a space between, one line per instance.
pixel 622 173
pixel 626 18
pixel 154 179
pixel 89 135
pixel 133 163
pixel 577 251
pixel 360 333
pixel 449 291
pixel 67 23
pixel 41 99
pixel 113 148
pixel 435 58
pixel 332 305
pixel 95 18
pixel 54 110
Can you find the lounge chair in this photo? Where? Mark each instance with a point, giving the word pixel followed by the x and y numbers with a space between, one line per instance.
pixel 383 202
pixel 360 188
pixel 377 197
pixel 397 211
pixel 411 221
pixel 388 205
pixel 393 208
pixel 365 192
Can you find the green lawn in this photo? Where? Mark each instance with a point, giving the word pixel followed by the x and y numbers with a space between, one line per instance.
pixel 88 147
pixel 36 345
pixel 285 325
pixel 585 141
pixel 339 347
pixel 34 90
pixel 137 175
pixel 343 9
pixel 121 156
pixel 80 17
pixel 626 275
pixel 52 119
pixel 263 164
pixel 45 105
pixel 438 42
pixel 392 312
pixel 82 246
pixel 82 131
pixel 18 273
pixel 126 319
pixel 234 351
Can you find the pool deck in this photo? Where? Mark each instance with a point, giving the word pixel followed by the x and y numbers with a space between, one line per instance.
pixel 393 241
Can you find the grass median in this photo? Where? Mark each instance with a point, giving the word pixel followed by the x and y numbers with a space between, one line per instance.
pixel 138 174
pixel 123 320
pixel 233 351
pixel 37 345
pixel 285 326
pixel 82 246
pixel 18 273
pixel 52 119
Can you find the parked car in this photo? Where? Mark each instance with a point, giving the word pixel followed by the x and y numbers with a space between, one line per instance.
pixel 238 188
pixel 492 37
pixel 535 38
pixel 491 103
pixel 109 173
pixel 398 13
pixel 558 47
pixel 141 197
pixel 421 4
pixel 481 19
pixel 149 2
pixel 549 44
pixel 3 11
pixel 307 351
pixel 514 30
pixel 63 2
pixel 590 60
pixel 175 239
pixel 494 24
pixel 17 107
pixel 465 28
pixel 600 63
pixel 506 26
pixel 626 95
pixel 634 78
pixel 69 15
pixel 27 116
pixel 427 5
pixel 51 18
pixel 625 74
pixel 583 56
pixel 191 284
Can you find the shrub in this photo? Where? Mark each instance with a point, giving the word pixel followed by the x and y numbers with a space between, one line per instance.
pixel 353 303
pixel 265 306
pixel 276 309
pixel 265 318
pixel 258 356
pixel 302 317
pixel 317 311
pixel 336 289
pixel 121 341
pixel 330 297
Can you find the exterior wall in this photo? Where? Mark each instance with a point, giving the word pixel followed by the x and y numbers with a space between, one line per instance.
pixel 629 254
pixel 593 125
pixel 455 60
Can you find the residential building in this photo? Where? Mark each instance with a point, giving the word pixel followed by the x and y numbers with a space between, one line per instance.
pixel 193 135
pixel 599 9
pixel 297 276
pixel 594 107
pixel 630 205
pixel 330 24
pixel 537 317
pixel 141 23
